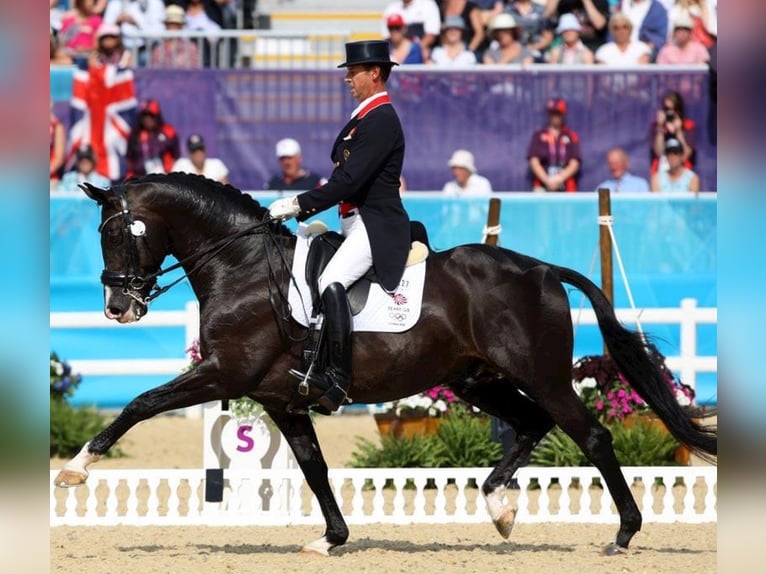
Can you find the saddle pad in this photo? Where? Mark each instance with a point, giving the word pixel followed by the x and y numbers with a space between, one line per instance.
pixel 383 313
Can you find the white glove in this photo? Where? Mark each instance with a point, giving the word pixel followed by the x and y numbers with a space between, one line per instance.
pixel 284 208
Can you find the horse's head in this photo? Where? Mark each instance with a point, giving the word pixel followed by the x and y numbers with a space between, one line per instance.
pixel 134 243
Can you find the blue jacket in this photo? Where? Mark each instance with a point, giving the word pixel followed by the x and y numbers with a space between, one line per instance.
pixel 654 28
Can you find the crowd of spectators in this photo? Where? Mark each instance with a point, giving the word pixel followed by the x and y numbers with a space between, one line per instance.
pixel 92 34
pixel 617 32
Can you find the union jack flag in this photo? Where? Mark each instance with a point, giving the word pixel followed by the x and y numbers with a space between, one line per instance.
pixel 103 108
pixel 399 299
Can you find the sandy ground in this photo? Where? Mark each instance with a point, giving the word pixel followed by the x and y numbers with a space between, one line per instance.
pixel 176 442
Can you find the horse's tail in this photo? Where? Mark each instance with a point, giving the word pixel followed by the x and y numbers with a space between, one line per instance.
pixel 642 364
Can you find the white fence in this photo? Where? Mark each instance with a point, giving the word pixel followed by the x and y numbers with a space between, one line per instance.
pixel 687 362
pixel 399 496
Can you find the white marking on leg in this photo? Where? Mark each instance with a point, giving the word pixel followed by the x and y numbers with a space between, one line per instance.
pixel 81 461
pixel 319 546
pixel 496 503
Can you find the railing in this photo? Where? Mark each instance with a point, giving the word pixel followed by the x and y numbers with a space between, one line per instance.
pixel 401 496
pixel 687 363
pixel 262 49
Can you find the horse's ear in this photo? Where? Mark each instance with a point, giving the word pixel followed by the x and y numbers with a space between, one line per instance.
pixel 97 194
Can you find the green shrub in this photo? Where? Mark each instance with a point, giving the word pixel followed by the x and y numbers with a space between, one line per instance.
pixel 642 444
pixel 464 440
pixel 393 452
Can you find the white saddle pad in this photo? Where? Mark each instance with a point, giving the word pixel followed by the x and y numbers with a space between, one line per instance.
pixel 383 312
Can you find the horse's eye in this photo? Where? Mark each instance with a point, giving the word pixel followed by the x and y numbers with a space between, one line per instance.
pixel 114 236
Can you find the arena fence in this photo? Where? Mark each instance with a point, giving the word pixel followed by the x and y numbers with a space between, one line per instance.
pixel 397 496
pixel 687 363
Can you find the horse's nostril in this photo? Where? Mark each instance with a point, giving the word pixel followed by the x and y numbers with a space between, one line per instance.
pixel 115 311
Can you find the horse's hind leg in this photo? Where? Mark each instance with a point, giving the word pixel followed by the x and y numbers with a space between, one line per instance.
pixel 299 433
pixel 500 398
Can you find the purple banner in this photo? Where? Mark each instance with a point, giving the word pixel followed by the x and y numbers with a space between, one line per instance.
pixel 243 113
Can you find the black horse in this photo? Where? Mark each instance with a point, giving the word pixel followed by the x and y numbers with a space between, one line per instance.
pixel 495 328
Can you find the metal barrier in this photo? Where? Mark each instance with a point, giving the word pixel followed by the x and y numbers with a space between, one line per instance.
pixel 262 49
pixel 378 495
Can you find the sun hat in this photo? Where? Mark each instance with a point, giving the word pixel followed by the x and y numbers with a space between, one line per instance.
pixel 568 21
pixel 462 158
pixel 454 21
pixel 288 147
pixel 502 21
pixel 174 14
pixel 683 20
pixel 108 30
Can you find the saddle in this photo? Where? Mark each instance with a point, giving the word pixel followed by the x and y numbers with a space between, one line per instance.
pixel 324 246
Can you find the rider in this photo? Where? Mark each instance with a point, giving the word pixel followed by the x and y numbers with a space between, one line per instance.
pixel 368 155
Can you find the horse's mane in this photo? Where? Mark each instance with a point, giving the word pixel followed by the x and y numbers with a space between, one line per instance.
pixel 205 195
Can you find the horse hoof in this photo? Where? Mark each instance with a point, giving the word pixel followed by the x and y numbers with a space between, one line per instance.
pixel 504 523
pixel 319 547
pixel 68 478
pixel 614 550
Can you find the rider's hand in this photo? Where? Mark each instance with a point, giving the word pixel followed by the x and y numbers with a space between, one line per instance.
pixel 285 208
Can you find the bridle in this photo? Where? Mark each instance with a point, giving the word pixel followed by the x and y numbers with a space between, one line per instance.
pixel 131 281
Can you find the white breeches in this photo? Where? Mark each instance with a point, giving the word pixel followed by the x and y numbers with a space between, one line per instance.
pixel 353 258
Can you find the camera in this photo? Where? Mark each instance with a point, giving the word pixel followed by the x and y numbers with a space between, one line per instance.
pixel 670 116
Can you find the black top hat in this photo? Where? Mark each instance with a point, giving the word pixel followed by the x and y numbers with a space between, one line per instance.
pixel 367 52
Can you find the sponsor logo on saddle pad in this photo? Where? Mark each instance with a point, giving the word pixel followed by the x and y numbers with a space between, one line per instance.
pixel 383 312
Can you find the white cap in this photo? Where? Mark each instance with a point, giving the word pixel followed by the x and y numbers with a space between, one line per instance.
pixel 288 147
pixel 462 158
pixel 568 21
pixel 683 20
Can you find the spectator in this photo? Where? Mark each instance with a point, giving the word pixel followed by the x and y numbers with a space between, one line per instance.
pixel 292 176
pixel 622 51
pixel 109 48
pixel 704 16
pixel 676 177
pixel 622 180
pixel 422 19
pixel 466 182
pixel 671 123
pixel 554 152
pixel 536 35
pixel 593 16
pixel 198 162
pixel 650 23
pixel 78 31
pixel 506 47
pixel 490 9
pixel 152 143
pixel 136 18
pixel 683 48
pixel 84 170
pixel 199 17
pixel 403 50
pixel 473 32
pixel 452 51
pixel 103 104
pixel 571 50
pixel 58 148
pixel 58 56
pixel 180 53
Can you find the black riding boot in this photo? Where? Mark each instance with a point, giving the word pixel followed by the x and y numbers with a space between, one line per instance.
pixel 336 378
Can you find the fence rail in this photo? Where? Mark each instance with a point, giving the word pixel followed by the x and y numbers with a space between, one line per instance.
pixel 687 362
pixel 397 496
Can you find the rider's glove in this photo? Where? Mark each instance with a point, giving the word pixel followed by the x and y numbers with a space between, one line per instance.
pixel 285 208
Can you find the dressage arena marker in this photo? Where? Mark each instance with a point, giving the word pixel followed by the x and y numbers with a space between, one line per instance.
pixel 397 496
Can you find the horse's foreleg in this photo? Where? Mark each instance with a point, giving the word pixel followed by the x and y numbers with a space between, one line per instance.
pixel 299 433
pixel 191 388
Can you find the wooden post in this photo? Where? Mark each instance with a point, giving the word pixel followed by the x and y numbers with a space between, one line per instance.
pixel 493 220
pixel 605 242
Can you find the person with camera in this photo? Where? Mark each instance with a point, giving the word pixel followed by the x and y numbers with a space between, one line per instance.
pixel 670 123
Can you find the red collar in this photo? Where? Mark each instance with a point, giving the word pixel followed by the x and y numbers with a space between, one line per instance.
pixel 377 102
